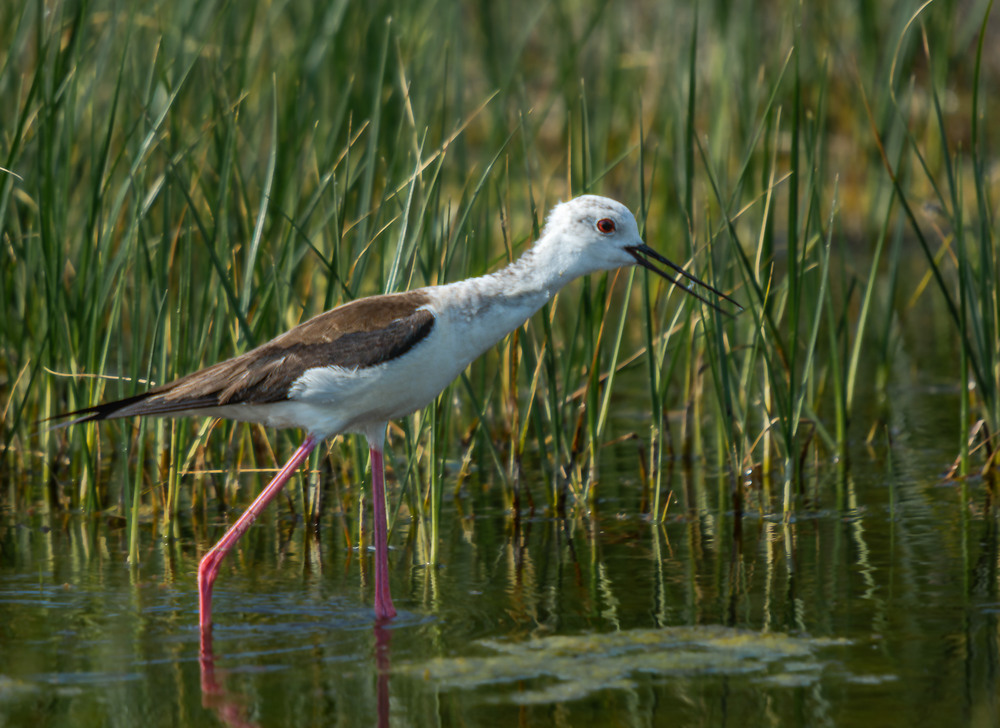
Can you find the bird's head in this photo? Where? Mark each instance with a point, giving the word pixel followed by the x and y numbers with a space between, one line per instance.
pixel 591 233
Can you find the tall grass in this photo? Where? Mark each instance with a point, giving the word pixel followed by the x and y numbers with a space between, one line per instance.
pixel 183 181
pixel 961 244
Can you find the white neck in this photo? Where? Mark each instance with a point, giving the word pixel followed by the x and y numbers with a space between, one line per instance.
pixel 488 308
pixel 538 273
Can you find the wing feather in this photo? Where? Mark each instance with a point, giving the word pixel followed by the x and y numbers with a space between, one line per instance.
pixel 360 334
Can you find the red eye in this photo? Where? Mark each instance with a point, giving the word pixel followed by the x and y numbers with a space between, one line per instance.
pixel 606 225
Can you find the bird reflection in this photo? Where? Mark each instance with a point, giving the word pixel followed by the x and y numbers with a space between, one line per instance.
pixel 383 661
pixel 231 708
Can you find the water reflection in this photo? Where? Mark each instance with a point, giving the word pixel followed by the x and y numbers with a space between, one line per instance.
pixel 383 667
pixel 231 707
pixel 885 597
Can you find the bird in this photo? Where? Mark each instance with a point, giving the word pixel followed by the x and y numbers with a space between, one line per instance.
pixel 360 365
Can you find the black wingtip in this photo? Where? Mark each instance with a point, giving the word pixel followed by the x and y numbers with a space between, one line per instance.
pixel 96 413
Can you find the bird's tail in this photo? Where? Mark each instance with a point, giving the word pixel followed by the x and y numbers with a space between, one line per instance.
pixel 145 404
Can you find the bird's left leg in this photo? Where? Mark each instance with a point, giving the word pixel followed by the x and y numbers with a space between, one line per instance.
pixel 208 569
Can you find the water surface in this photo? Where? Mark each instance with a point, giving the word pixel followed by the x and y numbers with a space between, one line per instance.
pixel 877 606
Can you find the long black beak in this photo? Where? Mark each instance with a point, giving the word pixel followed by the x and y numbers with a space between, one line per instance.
pixel 638 251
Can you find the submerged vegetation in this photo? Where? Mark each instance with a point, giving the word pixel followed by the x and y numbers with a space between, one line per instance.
pixel 182 181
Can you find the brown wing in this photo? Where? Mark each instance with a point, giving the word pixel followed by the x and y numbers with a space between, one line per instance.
pixel 360 334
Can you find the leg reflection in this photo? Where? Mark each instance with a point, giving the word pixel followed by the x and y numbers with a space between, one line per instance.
pixel 383 665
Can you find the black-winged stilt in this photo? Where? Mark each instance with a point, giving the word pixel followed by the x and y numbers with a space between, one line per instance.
pixel 354 368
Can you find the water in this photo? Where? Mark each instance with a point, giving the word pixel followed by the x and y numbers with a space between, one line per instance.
pixel 880 612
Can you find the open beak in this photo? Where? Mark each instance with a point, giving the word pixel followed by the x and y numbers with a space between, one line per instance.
pixel 638 251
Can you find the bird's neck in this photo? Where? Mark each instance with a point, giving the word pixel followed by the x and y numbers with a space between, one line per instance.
pixel 538 273
pixel 528 282
pixel 491 306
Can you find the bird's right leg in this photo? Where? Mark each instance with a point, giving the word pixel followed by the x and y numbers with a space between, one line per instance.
pixel 384 608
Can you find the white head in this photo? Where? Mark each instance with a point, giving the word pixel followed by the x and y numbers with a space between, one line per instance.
pixel 592 233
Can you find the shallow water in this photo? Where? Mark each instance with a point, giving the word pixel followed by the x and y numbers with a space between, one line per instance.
pixel 879 611
pixel 882 614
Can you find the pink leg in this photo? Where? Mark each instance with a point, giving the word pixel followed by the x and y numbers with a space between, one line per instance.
pixel 208 569
pixel 383 599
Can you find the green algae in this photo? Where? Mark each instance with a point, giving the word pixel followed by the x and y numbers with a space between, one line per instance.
pixel 579 665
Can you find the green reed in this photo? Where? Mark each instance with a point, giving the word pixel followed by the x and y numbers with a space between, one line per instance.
pixel 186 182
